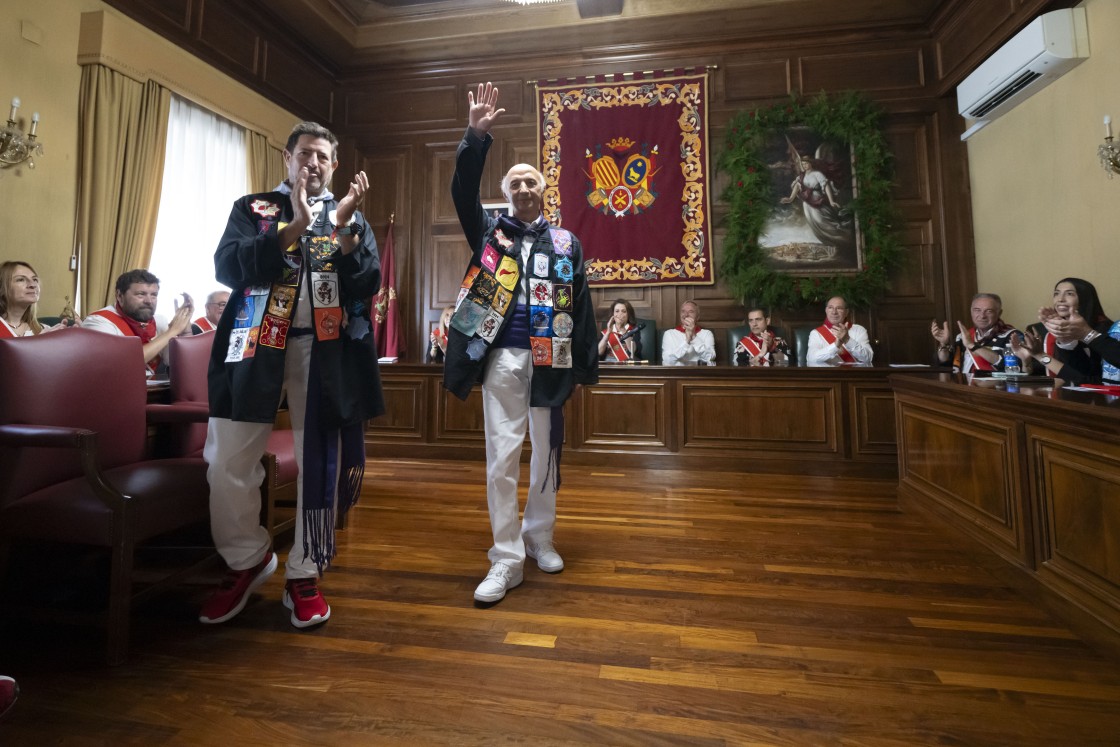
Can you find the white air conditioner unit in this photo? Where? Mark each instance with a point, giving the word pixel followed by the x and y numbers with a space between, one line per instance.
pixel 1047 48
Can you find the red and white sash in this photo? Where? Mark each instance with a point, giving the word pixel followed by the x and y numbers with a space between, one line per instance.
pixel 617 347
pixel 127 331
pixel 204 324
pixel 977 363
pixel 825 331
pixel 5 332
pixel 754 348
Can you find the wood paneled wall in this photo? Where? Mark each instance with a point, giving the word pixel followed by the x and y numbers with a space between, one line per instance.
pixel 402 125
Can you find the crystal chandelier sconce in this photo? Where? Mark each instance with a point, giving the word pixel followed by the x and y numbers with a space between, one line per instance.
pixel 15 147
pixel 1108 153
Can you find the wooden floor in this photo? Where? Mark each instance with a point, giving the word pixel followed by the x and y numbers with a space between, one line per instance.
pixel 695 609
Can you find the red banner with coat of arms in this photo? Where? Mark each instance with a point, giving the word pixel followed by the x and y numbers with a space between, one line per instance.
pixel 625 163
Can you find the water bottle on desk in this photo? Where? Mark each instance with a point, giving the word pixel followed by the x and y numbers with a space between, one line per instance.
pixel 1011 363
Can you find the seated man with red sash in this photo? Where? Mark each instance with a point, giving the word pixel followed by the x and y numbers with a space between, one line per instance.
pixel 761 347
pixel 838 342
pixel 982 347
pixel 688 344
pixel 620 342
pixel 133 315
pixel 215 305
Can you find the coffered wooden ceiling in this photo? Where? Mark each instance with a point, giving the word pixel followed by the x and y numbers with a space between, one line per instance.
pixel 350 34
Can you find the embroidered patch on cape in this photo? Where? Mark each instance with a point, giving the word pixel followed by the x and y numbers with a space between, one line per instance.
pixel 320 248
pixel 562 297
pixel 502 297
pixel 540 292
pixel 540 265
pixel 540 321
pixel 328 323
pixel 562 324
pixel 324 289
pixel 564 269
pixel 503 241
pixel 251 342
pixel 484 287
pixel 507 273
pixel 463 293
pixel 561 352
pixel 476 348
pixel 490 325
pixel 490 258
pixel 542 350
pixel 280 303
pixel 263 226
pixel 236 349
pixel 274 332
pixel 468 279
pixel 264 208
pixel 561 241
pixel 468 316
pixel 245 314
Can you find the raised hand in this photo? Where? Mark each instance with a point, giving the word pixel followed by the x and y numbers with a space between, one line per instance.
pixel 301 211
pixel 483 108
pixel 940 332
pixel 348 204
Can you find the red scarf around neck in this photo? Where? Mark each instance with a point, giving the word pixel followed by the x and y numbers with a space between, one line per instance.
pixel 144 330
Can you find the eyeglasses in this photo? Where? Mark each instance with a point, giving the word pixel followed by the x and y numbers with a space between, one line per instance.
pixel 219 304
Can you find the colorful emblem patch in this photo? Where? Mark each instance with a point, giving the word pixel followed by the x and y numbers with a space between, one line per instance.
pixel 263 226
pixel 484 287
pixel 561 352
pixel 468 279
pixel 540 292
pixel 282 301
pixel 324 289
pixel 321 247
pixel 563 268
pixel 476 348
pixel 540 265
pixel 274 332
pixel 540 321
pixel 502 298
pixel 264 208
pixel 328 323
pixel 468 316
pixel 542 350
pixel 562 297
pixel 490 258
pixel 236 349
pixel 507 273
pixel 562 324
pixel 503 241
pixel 245 314
pixel 490 325
pixel 463 293
pixel 561 241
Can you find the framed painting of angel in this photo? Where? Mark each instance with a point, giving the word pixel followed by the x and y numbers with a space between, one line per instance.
pixel 811 227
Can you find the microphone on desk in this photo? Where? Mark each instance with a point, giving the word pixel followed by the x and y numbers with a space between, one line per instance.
pixel 627 335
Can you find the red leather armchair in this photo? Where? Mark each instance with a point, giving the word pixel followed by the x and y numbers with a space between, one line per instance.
pixel 189 358
pixel 73 435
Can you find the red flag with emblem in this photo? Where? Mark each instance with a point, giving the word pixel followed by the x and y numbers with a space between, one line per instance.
pixel 386 314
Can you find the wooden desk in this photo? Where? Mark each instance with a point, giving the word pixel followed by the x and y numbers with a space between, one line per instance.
pixel 822 421
pixel 1032 474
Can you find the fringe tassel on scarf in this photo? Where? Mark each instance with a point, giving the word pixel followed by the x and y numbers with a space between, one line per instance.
pixel 556 447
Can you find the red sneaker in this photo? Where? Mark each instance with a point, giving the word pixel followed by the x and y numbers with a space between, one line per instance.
pixel 303 598
pixel 230 598
pixel 9 691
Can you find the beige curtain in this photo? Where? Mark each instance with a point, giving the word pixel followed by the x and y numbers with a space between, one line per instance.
pixel 122 134
pixel 265 163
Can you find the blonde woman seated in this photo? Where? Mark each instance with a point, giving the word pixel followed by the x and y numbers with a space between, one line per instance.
pixel 437 346
pixel 620 341
pixel 19 299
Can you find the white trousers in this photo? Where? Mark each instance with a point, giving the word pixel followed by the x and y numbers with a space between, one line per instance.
pixel 233 452
pixel 505 408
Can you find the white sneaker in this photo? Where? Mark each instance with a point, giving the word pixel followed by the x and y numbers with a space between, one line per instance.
pixel 501 578
pixel 548 560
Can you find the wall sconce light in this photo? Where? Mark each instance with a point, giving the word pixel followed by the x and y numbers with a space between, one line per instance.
pixel 1108 153
pixel 15 147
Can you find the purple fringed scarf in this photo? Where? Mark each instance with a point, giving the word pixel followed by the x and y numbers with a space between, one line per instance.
pixel 322 481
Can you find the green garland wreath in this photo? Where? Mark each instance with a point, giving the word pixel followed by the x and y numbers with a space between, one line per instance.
pixel 847 118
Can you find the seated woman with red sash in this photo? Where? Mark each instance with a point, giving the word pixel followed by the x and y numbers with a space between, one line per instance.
pixel 1077 346
pixel 620 341
pixel 19 301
